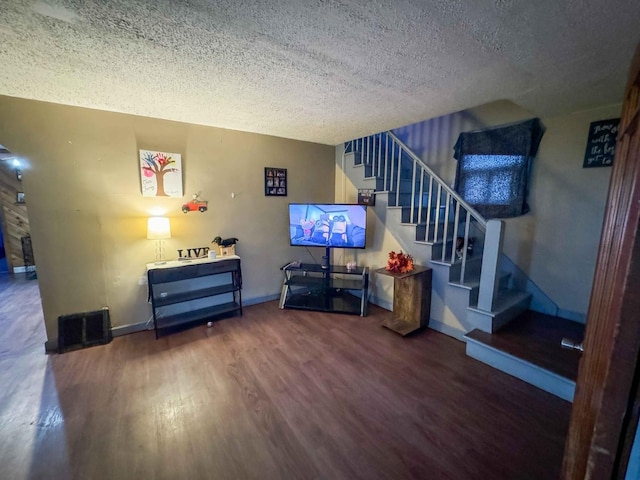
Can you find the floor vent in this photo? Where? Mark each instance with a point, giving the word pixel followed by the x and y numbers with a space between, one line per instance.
pixel 83 330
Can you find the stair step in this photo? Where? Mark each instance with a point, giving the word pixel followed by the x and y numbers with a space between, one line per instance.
pixel 421 227
pixel 378 183
pixel 436 251
pixel 473 285
pixel 405 199
pixel 529 348
pixel 509 305
pixel 353 157
pixel 506 298
pixel 474 282
pixel 472 268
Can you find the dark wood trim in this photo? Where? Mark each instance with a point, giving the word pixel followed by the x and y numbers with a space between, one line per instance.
pixel 598 441
pixel 629 433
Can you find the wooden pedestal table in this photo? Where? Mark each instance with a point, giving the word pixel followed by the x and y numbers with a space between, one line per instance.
pixel 411 299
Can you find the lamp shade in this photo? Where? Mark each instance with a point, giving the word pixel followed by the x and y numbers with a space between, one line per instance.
pixel 158 228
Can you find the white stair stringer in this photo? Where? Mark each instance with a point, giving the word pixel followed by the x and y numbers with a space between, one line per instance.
pixel 448 305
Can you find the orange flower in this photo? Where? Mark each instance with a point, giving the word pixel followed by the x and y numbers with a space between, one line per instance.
pixel 399 262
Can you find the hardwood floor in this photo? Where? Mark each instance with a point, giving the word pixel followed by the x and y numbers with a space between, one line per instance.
pixel 271 395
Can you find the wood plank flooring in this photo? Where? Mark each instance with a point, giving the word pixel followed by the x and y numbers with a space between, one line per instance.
pixel 271 395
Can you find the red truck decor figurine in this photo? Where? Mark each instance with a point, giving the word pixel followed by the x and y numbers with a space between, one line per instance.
pixel 195 204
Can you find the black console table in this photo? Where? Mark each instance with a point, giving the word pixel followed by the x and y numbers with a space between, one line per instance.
pixel 338 289
pixel 193 291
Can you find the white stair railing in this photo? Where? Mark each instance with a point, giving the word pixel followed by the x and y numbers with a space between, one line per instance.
pixel 442 217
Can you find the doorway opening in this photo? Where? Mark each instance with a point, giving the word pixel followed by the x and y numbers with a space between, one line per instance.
pixel 14 220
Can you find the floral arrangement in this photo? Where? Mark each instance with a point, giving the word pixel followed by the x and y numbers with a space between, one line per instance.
pixel 399 262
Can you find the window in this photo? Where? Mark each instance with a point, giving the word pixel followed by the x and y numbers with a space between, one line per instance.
pixel 493 168
pixel 491 179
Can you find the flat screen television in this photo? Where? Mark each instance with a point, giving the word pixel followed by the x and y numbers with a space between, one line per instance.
pixel 327 225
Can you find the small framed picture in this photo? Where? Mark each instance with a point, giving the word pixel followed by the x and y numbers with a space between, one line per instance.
pixel 366 196
pixel 275 181
pixel 20 197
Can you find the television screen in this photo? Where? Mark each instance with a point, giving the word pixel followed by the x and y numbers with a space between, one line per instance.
pixel 327 225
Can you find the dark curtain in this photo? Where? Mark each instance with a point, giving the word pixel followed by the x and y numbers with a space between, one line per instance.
pixel 516 140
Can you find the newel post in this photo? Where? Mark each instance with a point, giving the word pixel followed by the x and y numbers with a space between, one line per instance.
pixel 490 275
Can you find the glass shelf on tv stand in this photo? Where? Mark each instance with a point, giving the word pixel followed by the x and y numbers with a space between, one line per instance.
pixel 335 288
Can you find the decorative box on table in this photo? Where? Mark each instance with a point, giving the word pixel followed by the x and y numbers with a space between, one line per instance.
pixel 225 251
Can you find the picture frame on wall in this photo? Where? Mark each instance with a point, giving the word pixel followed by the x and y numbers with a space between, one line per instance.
pixel 160 174
pixel 275 182
pixel 20 198
pixel 366 196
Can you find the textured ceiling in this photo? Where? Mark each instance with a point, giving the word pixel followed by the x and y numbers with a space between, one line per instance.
pixel 317 70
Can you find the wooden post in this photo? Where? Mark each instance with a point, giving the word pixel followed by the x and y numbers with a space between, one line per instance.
pixel 490 275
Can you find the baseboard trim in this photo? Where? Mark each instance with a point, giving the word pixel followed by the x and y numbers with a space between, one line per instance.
pixel 381 303
pixel 256 300
pixel 447 329
pixel 127 329
pixel 525 371
pixel 574 316
pixel 51 346
pixel 142 326
pixel 24 269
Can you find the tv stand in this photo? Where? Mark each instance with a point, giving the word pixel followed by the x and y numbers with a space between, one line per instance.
pixel 326 288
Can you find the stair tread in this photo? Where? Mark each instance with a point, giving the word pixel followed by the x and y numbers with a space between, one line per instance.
pixel 470 285
pixel 440 262
pixel 457 262
pixel 506 299
pixel 475 283
pixel 535 337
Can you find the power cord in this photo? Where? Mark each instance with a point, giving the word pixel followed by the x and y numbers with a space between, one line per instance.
pixel 311 255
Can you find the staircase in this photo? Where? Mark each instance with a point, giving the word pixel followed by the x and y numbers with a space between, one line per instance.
pixel 434 224
pixel 476 290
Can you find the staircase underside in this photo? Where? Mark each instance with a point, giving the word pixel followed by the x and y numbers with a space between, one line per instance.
pixel 529 348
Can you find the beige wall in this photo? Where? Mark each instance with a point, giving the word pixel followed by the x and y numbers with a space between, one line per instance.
pixel 88 217
pixel 557 243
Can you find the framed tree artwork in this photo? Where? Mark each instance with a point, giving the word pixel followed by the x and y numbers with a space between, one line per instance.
pixel 275 181
pixel 160 174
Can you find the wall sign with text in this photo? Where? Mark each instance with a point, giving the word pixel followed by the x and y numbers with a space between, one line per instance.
pixel 366 196
pixel 601 144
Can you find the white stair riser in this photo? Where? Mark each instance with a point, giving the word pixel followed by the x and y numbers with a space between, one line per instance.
pixel 532 374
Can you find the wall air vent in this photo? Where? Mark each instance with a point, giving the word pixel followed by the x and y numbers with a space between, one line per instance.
pixel 83 330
